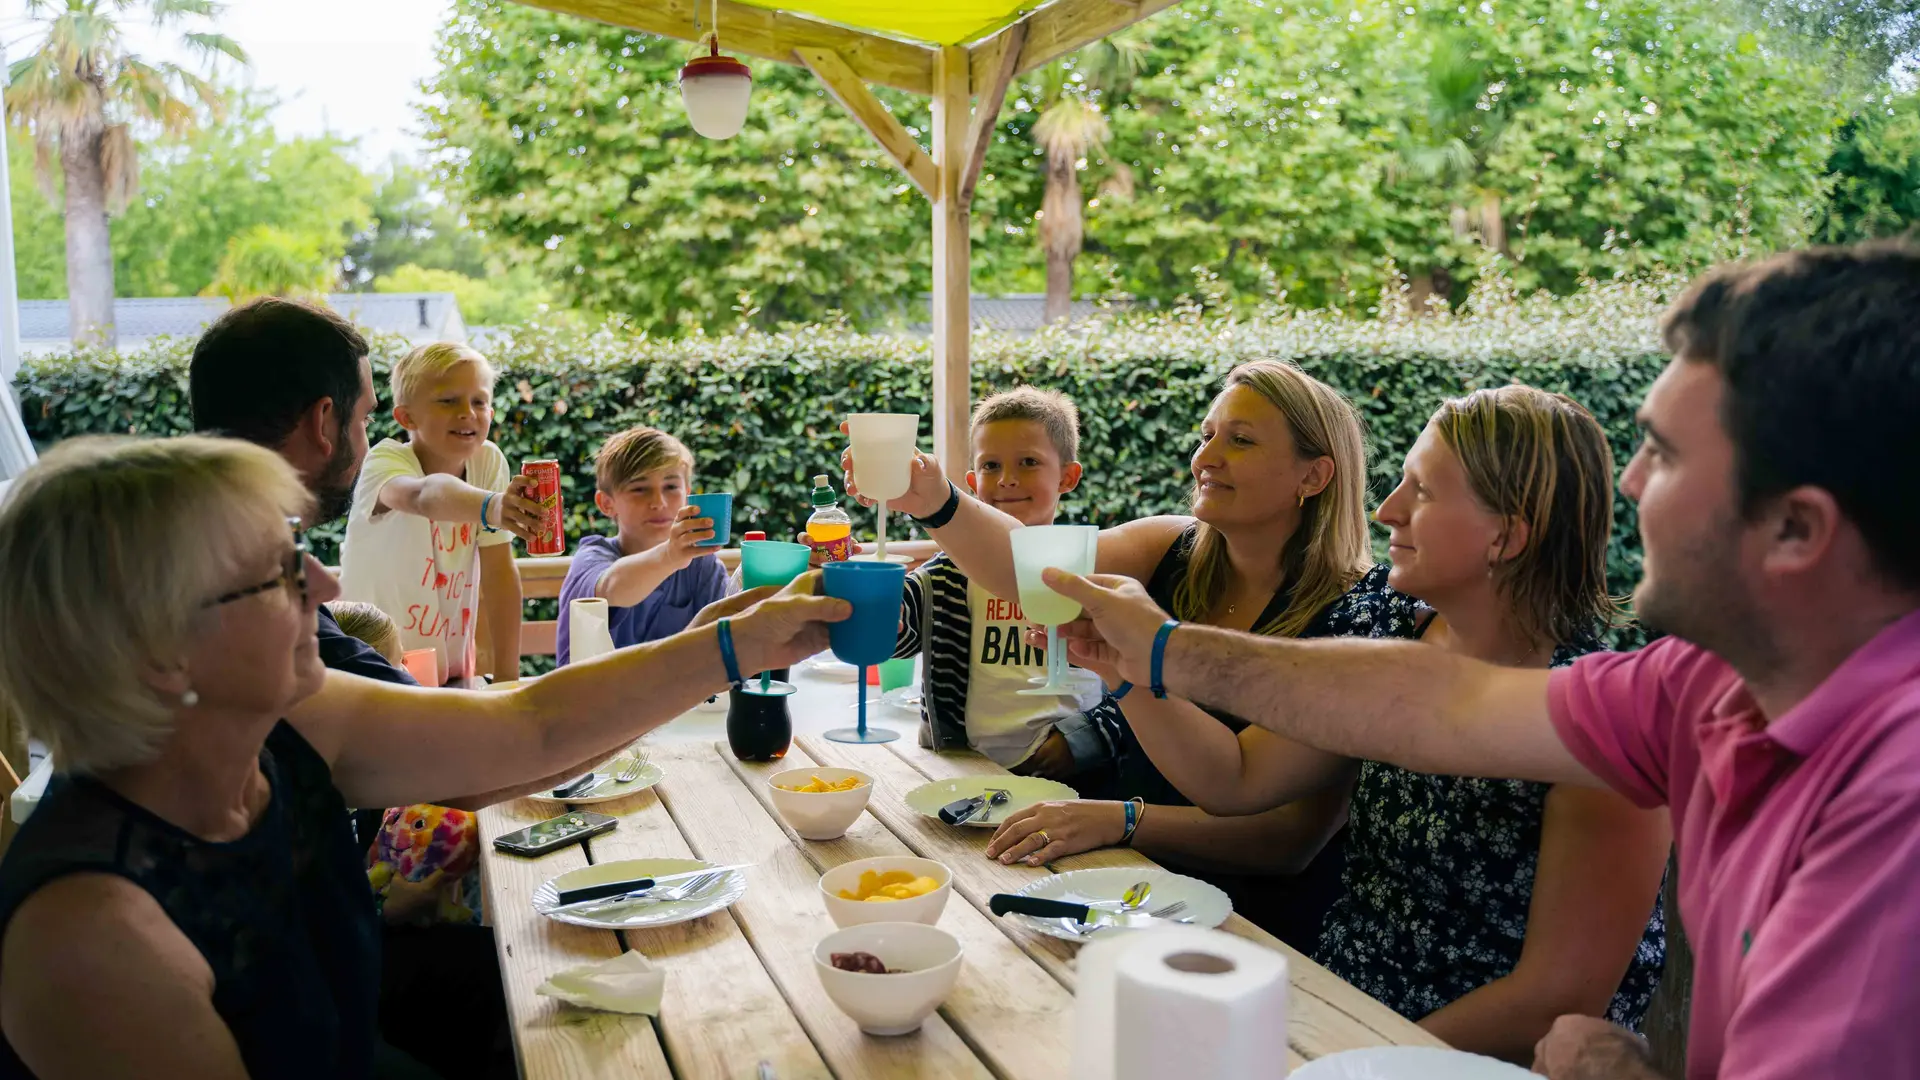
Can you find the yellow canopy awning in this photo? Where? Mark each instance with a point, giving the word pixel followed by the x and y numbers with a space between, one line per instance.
pixel 937 22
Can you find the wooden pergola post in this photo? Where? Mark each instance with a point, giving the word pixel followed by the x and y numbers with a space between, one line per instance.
pixel 967 84
pixel 952 260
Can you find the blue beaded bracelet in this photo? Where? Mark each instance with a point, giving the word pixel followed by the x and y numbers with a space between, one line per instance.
pixel 486 503
pixel 727 657
pixel 1159 682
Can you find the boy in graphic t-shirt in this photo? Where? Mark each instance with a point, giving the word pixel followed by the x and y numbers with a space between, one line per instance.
pixel 429 539
pixel 1026 444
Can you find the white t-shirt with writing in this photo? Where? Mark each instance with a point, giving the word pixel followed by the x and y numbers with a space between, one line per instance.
pixel 1000 723
pixel 424 574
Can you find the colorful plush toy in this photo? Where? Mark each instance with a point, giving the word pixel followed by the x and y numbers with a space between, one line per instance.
pixel 420 864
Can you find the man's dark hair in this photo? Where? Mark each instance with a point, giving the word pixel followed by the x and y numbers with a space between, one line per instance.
pixel 1820 350
pixel 261 366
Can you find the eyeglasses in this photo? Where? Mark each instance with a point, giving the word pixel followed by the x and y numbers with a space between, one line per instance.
pixel 293 575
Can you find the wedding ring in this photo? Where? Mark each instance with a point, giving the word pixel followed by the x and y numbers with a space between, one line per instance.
pixel 1044 838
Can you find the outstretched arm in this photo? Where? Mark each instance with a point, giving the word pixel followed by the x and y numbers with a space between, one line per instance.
pixel 486 742
pixel 1399 702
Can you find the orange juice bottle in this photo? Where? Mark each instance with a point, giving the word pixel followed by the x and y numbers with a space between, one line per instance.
pixel 829 530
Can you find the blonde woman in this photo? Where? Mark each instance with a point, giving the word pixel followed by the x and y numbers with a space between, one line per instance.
pixel 1484 909
pixel 187 899
pixel 1275 543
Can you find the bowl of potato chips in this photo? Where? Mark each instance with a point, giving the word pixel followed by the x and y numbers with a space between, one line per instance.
pixel 887 889
pixel 820 804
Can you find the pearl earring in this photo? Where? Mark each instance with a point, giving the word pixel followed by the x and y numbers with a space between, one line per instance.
pixel 189 699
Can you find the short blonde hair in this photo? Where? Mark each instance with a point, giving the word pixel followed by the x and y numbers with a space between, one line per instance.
pixel 1541 458
pixel 371 625
pixel 634 453
pixel 412 372
pixel 110 549
pixel 1051 409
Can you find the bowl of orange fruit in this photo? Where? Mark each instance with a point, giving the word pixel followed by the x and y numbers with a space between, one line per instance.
pixel 820 803
pixel 887 889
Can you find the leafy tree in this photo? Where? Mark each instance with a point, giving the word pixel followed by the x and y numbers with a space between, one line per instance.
pixel 1876 173
pixel 225 178
pixel 414 224
pixel 270 261
pixel 1861 41
pixel 508 300
pixel 568 139
pixel 198 192
pixel 39 236
pixel 80 93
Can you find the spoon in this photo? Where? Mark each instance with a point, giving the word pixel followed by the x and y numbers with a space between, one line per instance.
pixel 1133 899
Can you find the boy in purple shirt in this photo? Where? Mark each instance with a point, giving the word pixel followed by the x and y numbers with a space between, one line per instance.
pixel 652 574
pixel 1780 721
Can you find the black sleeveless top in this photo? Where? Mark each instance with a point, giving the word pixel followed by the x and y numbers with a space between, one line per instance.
pixel 1290 908
pixel 283 915
pixel 1351 615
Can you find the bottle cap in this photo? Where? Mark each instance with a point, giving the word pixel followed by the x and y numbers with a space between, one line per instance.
pixel 823 494
pixel 754 535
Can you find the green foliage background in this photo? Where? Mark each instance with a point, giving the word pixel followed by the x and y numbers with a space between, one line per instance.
pixel 1265 145
pixel 761 411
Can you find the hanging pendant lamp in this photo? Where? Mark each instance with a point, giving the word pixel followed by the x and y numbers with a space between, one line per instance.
pixel 715 89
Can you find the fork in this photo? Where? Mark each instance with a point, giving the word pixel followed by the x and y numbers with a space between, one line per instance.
pixel 627 775
pixel 656 895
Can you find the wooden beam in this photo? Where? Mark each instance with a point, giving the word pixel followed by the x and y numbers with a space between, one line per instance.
pixel 952 283
pixel 886 129
pixel 769 35
pixel 1002 52
pixel 1061 28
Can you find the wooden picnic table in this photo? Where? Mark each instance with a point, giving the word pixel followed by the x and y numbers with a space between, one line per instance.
pixel 741 988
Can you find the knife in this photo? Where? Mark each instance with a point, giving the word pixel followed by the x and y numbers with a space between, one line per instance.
pixel 1089 917
pixel 611 889
pixel 961 811
pixel 569 790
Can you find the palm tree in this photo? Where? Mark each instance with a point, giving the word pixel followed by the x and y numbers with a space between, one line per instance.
pixel 1458 125
pixel 1068 93
pixel 79 95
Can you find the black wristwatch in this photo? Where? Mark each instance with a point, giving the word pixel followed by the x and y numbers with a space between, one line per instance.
pixel 940 517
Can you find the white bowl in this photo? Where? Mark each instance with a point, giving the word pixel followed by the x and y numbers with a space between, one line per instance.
pixel 921 909
pixel 819 815
pixel 927 956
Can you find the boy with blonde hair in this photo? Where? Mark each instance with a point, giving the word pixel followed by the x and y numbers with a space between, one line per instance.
pixel 652 573
pixel 433 518
pixel 1026 444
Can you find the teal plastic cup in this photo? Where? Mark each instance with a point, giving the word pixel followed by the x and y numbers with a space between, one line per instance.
pixel 772 562
pixel 719 507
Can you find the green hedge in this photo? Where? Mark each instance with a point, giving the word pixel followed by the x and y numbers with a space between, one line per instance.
pixel 761 412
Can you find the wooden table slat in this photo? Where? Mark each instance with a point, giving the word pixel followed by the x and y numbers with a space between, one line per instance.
pixel 1007 1007
pixel 554 1040
pixel 722 1013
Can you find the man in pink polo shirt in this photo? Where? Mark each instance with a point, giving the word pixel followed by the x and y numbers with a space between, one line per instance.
pixel 1779 721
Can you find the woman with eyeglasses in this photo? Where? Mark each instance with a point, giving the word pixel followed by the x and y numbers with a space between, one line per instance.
pixel 187 899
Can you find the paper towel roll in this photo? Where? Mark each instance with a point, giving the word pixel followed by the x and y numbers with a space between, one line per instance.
pixel 587 633
pixel 1196 1004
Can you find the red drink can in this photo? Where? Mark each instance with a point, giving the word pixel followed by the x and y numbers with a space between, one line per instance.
pixel 552 538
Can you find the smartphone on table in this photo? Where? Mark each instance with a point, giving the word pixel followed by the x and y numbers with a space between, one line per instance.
pixel 554 833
